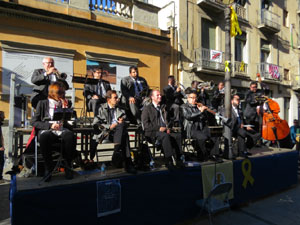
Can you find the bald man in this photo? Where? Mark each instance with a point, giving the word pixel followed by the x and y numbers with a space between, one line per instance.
pixel 42 78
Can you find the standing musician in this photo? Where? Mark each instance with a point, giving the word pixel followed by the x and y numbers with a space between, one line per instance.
pixel 174 96
pixel 155 124
pixel 49 131
pixel 253 108
pixel 42 78
pixel 238 130
pixel 196 126
pixel 218 97
pixel 134 88
pixel 110 124
pixel 95 93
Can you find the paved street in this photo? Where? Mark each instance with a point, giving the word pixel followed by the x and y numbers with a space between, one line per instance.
pixel 278 209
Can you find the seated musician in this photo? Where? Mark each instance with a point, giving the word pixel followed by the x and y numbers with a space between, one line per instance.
pixel 134 88
pixel 155 124
pixel 196 127
pixel 42 78
pixel 174 98
pixel 238 130
pixel 110 124
pixel 49 131
pixel 95 93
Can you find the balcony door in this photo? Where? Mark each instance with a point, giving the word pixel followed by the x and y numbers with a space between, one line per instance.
pixel 208 34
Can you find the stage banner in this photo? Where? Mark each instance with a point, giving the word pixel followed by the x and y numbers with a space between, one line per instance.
pixel 216 173
pixel 108 197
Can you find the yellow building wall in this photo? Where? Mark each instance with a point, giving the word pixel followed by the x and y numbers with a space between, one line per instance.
pixel 152 56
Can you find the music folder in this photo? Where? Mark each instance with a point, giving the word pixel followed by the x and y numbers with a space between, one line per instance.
pixel 62 114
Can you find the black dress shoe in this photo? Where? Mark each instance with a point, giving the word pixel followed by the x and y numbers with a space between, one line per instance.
pixel 180 164
pixel 170 166
pixel 130 169
pixel 216 158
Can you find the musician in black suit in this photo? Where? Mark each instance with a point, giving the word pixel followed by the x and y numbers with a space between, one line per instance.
pixel 110 122
pixel 50 132
pixel 42 78
pixel 134 88
pixel 254 107
pixel 238 130
pixel 95 93
pixel 156 127
pixel 218 97
pixel 196 127
pixel 174 99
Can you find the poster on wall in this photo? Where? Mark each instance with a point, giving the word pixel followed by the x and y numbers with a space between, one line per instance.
pixel 111 72
pixel 23 65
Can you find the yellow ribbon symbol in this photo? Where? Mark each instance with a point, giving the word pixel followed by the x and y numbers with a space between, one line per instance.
pixel 227 69
pixel 247 173
pixel 242 67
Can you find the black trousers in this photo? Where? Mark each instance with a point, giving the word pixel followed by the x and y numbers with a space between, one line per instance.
pixel 48 139
pixel 171 143
pixel 120 136
pixel 201 136
pixel 241 135
pixel 1 164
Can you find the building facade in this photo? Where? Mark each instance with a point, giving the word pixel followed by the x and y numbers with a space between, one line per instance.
pixel 79 35
pixel 268 45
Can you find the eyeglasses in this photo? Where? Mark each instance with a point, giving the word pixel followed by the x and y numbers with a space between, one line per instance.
pixel 114 97
pixel 193 97
pixel 48 62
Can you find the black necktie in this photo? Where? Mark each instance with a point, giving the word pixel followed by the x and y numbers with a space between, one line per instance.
pixel 100 89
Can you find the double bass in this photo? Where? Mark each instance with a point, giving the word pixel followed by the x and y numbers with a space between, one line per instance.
pixel 273 127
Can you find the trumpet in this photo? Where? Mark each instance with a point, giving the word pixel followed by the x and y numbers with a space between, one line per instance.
pixel 209 85
pixel 61 76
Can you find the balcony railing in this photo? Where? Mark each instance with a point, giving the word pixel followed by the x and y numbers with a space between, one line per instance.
pixel 209 59
pixel 115 7
pixel 216 5
pixel 270 71
pixel 269 21
pixel 241 12
pixel 240 68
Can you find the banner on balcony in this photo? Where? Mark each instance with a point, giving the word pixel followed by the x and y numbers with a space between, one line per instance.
pixel 274 71
pixel 216 56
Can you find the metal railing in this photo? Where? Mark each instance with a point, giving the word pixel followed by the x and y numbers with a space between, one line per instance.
pixel 270 71
pixel 240 68
pixel 241 11
pixel 114 7
pixel 209 59
pixel 270 19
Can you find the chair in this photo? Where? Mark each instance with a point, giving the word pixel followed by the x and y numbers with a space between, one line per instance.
pixel 217 200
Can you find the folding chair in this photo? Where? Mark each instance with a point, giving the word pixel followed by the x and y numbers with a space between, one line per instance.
pixel 217 200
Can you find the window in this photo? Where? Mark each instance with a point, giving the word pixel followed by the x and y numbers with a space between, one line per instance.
pixel 264 51
pixel 240 2
pixel 265 4
pixel 286 108
pixel 240 43
pixel 285 18
pixel 286 74
pixel 208 34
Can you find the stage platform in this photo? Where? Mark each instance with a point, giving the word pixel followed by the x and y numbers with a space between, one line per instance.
pixel 154 197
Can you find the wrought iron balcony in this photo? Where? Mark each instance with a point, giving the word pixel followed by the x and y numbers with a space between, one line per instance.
pixel 241 12
pixel 270 71
pixel 209 59
pixel 240 68
pixel 121 8
pixel 269 22
pixel 214 5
